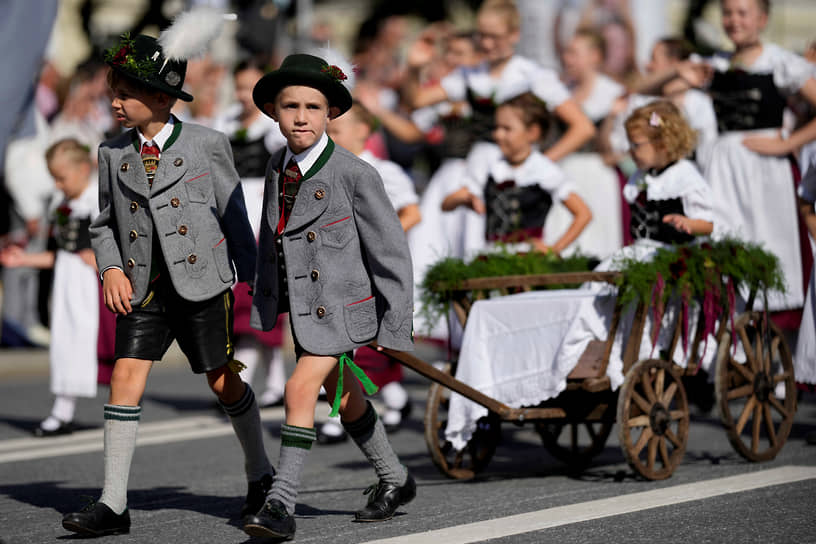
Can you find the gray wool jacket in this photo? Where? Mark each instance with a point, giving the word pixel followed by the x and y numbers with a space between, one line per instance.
pixel 347 265
pixel 195 210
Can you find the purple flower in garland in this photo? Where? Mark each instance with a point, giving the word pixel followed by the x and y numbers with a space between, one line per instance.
pixel 334 72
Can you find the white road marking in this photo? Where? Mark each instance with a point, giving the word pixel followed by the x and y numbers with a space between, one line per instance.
pixel 613 506
pixel 158 432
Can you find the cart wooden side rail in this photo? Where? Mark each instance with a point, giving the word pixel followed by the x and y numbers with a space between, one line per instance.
pixel 651 407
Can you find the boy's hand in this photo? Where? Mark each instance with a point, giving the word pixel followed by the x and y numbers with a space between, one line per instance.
pixel 118 291
pixel 679 222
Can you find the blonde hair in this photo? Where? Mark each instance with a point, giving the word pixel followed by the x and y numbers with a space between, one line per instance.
pixel 71 148
pixel 363 115
pixel 506 9
pixel 666 128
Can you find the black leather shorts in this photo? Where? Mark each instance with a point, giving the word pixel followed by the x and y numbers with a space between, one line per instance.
pixel 202 329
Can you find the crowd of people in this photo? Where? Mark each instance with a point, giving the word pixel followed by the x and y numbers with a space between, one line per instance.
pixel 478 147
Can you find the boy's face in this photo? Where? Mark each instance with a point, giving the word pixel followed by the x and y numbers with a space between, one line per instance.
pixel 133 107
pixel 70 178
pixel 302 114
pixel 349 132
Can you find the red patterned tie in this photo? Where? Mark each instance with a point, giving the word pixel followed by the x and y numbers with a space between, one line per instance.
pixel 289 189
pixel 150 159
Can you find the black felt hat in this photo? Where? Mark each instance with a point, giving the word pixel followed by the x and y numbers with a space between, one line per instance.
pixel 309 71
pixel 142 58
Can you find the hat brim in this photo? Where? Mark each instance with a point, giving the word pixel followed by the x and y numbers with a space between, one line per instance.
pixel 267 89
pixel 157 85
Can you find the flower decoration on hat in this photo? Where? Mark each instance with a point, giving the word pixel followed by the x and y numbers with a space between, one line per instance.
pixel 123 56
pixel 334 72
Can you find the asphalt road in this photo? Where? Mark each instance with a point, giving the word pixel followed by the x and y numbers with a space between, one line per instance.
pixel 187 482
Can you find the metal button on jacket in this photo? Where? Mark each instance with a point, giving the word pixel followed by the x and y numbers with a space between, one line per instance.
pixel 178 162
pixel 134 206
pixel 182 230
pixel 192 258
pixel 131 263
pixel 175 202
pixel 319 194
pixel 321 311
pixel 315 274
pixel 133 235
pixel 311 236
pixel 124 167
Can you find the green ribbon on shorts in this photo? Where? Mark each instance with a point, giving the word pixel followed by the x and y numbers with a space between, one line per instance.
pixel 368 385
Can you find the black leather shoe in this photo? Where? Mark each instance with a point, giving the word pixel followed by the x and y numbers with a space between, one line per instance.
pixel 384 499
pixel 64 428
pixel 271 521
pixel 256 495
pixel 97 519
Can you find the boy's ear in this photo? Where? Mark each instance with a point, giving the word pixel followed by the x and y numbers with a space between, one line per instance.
pixel 334 112
pixel 269 109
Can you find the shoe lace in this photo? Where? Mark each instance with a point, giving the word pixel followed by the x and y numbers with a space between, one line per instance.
pixel 373 488
pixel 276 509
pixel 90 503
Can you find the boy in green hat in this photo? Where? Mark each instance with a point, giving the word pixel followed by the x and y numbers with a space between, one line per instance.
pixel 334 255
pixel 172 222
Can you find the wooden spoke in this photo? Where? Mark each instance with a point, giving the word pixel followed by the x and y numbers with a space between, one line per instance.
pixel 740 392
pixel 746 374
pixel 644 438
pixel 659 382
pixel 764 364
pixel 664 453
pixel 647 387
pixel 746 344
pixel 668 395
pixel 652 452
pixel 639 421
pixel 757 425
pixel 746 413
pixel 769 424
pixel 674 415
pixel 781 377
pixel 459 458
pixel 642 403
pixel 774 351
pixel 673 438
pixel 778 405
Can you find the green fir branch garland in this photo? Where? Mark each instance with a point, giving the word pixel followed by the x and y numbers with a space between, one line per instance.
pixel 122 55
pixel 444 279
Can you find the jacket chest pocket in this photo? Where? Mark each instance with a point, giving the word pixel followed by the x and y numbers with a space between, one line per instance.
pixel 199 188
pixel 337 234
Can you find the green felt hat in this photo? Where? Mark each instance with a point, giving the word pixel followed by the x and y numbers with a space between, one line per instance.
pixel 309 71
pixel 142 58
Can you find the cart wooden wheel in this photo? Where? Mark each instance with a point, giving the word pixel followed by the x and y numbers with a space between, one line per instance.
pixel 653 418
pixel 756 420
pixel 577 440
pixel 476 455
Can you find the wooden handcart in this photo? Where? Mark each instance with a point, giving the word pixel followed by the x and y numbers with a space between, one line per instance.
pixel 651 407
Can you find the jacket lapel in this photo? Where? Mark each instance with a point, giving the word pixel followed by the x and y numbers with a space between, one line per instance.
pixel 131 173
pixel 312 200
pixel 172 167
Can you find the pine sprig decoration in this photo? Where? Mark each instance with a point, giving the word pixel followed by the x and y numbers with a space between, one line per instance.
pixel 444 279
pixel 122 55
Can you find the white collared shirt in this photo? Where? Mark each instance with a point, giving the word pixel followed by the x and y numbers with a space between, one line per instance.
pixel 160 138
pixel 306 158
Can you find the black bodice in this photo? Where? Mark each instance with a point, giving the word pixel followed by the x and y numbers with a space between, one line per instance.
pixel 250 156
pixel 72 233
pixel 515 213
pixel 744 101
pixel 482 117
pixel 647 220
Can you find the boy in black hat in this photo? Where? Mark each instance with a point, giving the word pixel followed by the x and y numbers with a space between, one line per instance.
pixel 334 255
pixel 172 222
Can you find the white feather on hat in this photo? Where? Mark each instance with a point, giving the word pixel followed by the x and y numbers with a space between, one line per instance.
pixel 335 58
pixel 191 33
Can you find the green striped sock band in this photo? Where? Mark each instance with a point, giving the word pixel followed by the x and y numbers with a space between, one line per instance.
pixel 297 437
pixel 122 413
